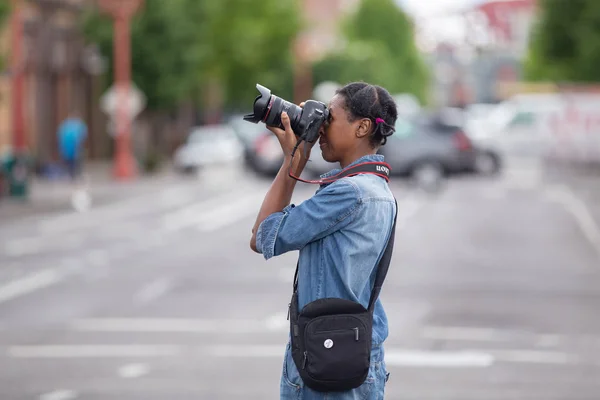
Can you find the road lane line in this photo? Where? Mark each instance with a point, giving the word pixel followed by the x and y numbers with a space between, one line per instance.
pixel 59 395
pixel 278 322
pixel 579 210
pixel 534 357
pixel 132 371
pixel 196 213
pixel 23 246
pixel 230 214
pixel 441 359
pixel 29 284
pixel 93 351
pixel 152 291
pixel 462 333
pixel 173 325
pixel 242 351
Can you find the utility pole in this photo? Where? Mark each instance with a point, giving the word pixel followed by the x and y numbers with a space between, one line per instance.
pixel 18 164
pixel 302 66
pixel 122 11
pixel 17 74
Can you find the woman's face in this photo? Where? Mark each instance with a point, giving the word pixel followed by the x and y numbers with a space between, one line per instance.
pixel 337 137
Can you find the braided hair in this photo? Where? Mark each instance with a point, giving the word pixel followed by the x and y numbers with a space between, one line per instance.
pixel 374 102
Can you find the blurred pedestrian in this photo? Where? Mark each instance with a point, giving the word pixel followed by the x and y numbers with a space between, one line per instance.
pixel 72 133
pixel 341 231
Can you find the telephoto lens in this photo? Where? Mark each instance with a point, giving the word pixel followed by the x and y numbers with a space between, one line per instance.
pixel 268 109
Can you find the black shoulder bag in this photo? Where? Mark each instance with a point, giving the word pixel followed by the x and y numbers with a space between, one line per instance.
pixel 331 338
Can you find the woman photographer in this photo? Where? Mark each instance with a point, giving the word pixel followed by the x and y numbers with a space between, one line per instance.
pixel 342 230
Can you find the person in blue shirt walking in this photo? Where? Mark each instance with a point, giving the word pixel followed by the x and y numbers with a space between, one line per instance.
pixel 71 135
pixel 342 230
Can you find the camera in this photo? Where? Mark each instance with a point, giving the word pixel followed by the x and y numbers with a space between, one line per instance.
pixel 305 122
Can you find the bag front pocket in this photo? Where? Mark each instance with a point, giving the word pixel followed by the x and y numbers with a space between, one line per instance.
pixel 336 354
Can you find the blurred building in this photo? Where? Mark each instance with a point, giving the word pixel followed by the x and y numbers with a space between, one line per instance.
pixel 489 58
pixel 60 76
pixel 501 25
pixel 322 34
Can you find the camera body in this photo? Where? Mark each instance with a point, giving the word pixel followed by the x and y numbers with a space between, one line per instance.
pixel 305 122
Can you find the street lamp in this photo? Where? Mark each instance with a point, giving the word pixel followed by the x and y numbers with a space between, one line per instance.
pixel 121 12
pixel 17 73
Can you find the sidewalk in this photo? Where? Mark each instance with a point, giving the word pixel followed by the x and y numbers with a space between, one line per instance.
pixel 48 197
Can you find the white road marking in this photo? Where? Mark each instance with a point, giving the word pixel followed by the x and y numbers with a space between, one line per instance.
pixel 474 334
pixel 459 359
pixel 59 395
pixel 565 196
pixel 548 341
pixel 396 357
pixel 231 213
pixel 131 371
pixel 196 213
pixel 534 357
pixel 93 351
pixel 170 325
pixel 241 351
pixel 278 322
pixel 462 333
pixel 152 291
pixel 23 246
pixel 29 283
pixel 118 211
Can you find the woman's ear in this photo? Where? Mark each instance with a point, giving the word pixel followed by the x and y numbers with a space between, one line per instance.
pixel 364 127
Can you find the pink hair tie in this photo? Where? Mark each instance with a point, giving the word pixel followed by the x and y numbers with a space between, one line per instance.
pixel 379 121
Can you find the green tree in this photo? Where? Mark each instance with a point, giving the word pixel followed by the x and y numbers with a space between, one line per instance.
pixel 380 48
pixel 565 43
pixel 212 51
pixel 162 56
pixel 4 13
pixel 244 42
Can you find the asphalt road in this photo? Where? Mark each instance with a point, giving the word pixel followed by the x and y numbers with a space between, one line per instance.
pixel 493 294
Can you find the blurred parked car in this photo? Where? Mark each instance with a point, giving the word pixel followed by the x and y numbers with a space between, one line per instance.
pixel 427 150
pixel 512 127
pixel 262 152
pixel 206 145
pixel 488 156
pixel 261 149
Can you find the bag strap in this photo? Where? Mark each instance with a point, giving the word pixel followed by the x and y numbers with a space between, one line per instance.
pixel 384 264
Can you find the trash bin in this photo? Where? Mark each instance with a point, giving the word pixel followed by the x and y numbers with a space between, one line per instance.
pixel 16 171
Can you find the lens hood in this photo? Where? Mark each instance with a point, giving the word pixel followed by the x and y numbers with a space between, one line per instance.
pixel 260 105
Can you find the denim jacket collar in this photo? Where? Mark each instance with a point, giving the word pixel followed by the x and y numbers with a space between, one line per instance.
pixel 367 158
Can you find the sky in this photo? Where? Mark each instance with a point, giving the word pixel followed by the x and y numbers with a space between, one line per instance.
pixel 436 20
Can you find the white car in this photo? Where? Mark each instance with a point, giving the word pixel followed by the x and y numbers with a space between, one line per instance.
pixel 513 126
pixel 208 145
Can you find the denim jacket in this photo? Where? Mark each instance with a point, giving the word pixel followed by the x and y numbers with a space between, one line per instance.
pixel 341 233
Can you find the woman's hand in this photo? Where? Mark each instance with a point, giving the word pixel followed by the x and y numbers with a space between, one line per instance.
pixel 287 140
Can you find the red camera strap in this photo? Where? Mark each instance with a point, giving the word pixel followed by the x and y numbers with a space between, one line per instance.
pixel 380 169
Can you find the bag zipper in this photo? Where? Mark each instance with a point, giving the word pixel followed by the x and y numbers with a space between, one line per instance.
pixel 356 332
pixel 305 360
pixel 289 307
